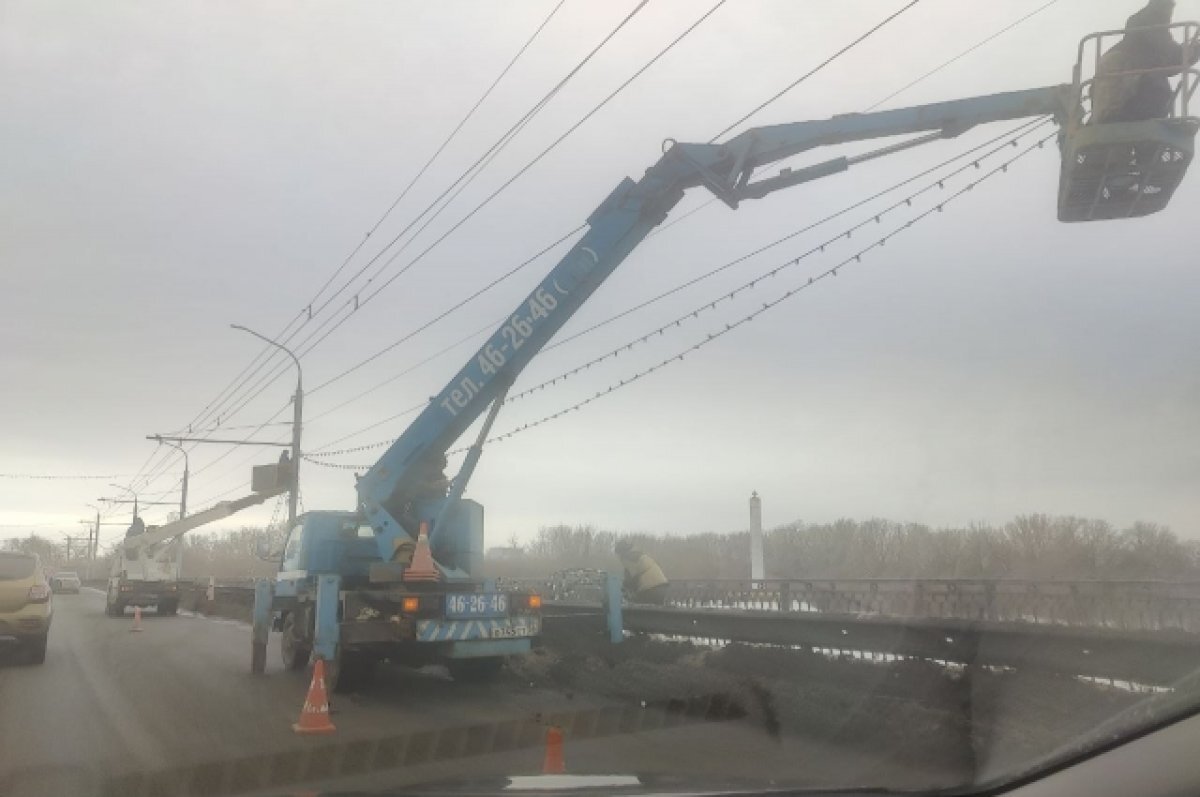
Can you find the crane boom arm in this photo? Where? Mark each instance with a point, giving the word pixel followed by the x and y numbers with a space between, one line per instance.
pixel 175 528
pixel 615 228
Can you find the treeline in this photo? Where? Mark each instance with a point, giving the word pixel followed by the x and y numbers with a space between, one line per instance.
pixel 226 555
pixel 1029 546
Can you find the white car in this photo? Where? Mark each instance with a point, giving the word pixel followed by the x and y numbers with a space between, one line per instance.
pixel 65 581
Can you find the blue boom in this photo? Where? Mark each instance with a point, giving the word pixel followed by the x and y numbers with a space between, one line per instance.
pixel 392 494
pixel 355 587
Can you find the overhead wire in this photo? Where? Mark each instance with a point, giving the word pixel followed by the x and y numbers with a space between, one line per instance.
pixel 61 477
pixel 857 41
pixel 261 385
pixel 442 147
pixel 524 169
pixel 409 369
pixel 503 141
pixel 446 312
pixel 595 109
pixel 554 144
pixel 308 314
pixel 962 54
pixel 925 76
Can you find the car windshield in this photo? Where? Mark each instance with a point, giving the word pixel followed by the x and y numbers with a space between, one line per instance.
pixel 15 567
pixel 705 395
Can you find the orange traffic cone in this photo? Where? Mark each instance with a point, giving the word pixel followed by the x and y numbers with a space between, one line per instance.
pixel 137 619
pixel 553 763
pixel 422 567
pixel 314 717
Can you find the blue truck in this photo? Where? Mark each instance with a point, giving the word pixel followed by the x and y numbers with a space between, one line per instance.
pixel 398 578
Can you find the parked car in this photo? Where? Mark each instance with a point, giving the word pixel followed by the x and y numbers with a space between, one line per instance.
pixel 65 581
pixel 25 605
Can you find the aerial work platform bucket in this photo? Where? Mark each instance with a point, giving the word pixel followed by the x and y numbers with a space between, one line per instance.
pixel 1122 168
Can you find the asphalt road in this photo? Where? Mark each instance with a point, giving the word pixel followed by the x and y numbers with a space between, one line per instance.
pixel 174 709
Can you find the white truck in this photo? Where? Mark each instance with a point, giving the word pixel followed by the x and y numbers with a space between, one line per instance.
pixel 146 569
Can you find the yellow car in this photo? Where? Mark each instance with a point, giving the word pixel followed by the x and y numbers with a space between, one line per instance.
pixel 25 606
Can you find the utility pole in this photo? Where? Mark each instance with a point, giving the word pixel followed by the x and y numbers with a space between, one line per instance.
pixel 94 537
pixel 297 422
pixel 175 443
pixel 131 492
pixel 71 543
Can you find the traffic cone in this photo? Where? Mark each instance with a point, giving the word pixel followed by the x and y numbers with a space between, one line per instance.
pixel 137 619
pixel 422 567
pixel 314 717
pixel 553 763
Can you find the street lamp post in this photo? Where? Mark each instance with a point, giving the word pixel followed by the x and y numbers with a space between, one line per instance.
pixel 297 421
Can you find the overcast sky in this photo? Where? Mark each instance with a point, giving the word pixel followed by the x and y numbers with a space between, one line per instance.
pixel 171 168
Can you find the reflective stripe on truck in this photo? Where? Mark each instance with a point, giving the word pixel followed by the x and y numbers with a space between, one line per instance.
pixel 461 630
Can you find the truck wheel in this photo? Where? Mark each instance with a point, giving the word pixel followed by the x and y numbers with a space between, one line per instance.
pixel 36 652
pixel 350 671
pixel 475 670
pixel 167 608
pixel 295 651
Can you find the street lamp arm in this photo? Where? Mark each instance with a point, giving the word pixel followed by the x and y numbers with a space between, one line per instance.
pixel 279 346
pixel 297 422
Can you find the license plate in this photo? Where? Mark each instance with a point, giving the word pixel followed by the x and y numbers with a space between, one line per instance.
pixel 514 630
pixel 476 604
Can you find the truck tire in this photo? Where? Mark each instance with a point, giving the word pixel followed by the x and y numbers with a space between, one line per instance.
pixel 350 671
pixel 36 652
pixel 295 650
pixel 167 608
pixel 479 670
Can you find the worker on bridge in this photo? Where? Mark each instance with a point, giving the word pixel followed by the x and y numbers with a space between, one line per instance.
pixel 644 579
pixel 1123 90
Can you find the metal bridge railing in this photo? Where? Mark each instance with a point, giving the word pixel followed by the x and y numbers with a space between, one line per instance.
pixel 1118 605
pixel 1113 605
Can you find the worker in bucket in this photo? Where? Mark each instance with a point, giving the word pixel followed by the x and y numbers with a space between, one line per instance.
pixel 137 527
pixel 644 579
pixel 1123 91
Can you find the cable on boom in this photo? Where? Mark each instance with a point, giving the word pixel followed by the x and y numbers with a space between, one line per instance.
pixel 1020 129
pixel 729 327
